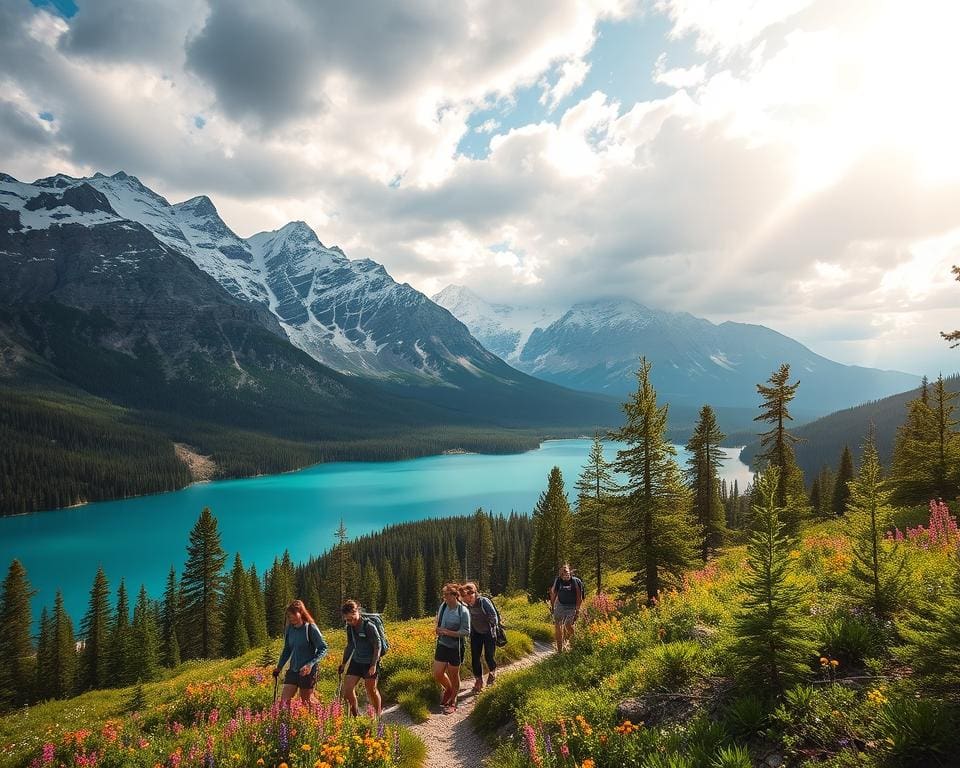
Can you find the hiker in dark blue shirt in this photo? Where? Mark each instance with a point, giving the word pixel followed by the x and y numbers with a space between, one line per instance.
pixel 361 657
pixel 304 647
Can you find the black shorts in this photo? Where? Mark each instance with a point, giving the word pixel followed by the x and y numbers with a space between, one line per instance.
pixel 362 669
pixel 293 677
pixel 448 655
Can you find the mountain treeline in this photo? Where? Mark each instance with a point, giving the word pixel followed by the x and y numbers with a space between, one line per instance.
pixel 62 449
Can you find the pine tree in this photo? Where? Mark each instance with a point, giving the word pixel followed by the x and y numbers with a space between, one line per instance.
pixel 777 444
pixel 370 593
pixel 121 643
pixel 144 661
pixel 827 482
pixel 594 522
pixel 552 530
pixel 661 535
pixel 16 647
pixel 44 685
pixel 95 627
pixel 772 646
pixel 931 640
pixel 841 490
pixel 202 590
pixel 236 641
pixel 342 559
pixel 926 456
pixel 416 587
pixel 62 668
pixel 256 612
pixel 815 499
pixel 701 474
pixel 277 594
pixel 953 336
pixel 169 616
pixel 480 550
pixel 878 565
pixel 391 607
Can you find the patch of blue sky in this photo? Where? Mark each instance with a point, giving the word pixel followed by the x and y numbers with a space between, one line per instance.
pixel 622 66
pixel 46 116
pixel 199 121
pixel 66 8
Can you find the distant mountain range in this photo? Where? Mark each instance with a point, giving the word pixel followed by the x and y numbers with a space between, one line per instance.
pixel 594 346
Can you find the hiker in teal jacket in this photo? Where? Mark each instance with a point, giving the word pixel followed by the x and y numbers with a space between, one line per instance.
pixel 453 627
pixel 303 647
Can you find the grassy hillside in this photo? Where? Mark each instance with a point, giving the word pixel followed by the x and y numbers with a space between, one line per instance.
pixel 660 687
pixel 224 709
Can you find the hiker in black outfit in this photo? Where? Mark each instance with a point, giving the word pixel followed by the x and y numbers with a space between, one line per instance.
pixel 483 634
pixel 566 596
pixel 304 646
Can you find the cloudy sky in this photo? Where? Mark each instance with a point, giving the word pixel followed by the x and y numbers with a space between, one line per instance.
pixel 793 163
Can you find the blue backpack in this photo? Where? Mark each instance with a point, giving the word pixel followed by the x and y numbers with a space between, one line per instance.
pixel 377 620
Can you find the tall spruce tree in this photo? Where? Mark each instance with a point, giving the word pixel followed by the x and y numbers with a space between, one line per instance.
pixel 63 658
pixel 773 646
pixel 931 640
pixel 169 619
pixel 236 639
pixel 256 613
pixel 342 562
pixel 417 586
pixel 841 489
pixel 662 536
pixel 391 606
pixel 95 628
pixel 552 532
pixel 16 647
pixel 595 524
pixel 144 660
pixel 44 685
pixel 277 594
pixel 877 566
pixel 370 587
pixel 826 481
pixel 953 336
pixel 202 590
pixel 777 445
pixel 480 550
pixel 706 457
pixel 121 644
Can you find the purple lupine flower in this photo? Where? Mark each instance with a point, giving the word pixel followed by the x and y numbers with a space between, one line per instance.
pixel 548 744
pixel 284 743
pixel 380 729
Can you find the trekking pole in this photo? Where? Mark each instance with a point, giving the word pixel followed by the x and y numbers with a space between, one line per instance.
pixel 276 684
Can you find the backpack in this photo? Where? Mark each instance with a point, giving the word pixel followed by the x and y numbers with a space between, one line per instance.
pixel 500 638
pixel 377 620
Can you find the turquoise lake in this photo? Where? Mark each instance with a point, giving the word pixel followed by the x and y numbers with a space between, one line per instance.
pixel 139 539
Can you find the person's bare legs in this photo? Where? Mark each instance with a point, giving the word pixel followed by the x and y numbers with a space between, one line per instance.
pixel 558 633
pixel 453 673
pixel 306 696
pixel 350 692
pixel 373 695
pixel 440 675
pixel 569 632
pixel 287 693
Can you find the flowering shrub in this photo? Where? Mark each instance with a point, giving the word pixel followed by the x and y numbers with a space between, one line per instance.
pixel 941 533
pixel 318 736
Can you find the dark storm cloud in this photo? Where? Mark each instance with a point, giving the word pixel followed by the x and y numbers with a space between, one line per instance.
pixel 130 30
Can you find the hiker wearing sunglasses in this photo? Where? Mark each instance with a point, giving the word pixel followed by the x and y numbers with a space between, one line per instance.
pixel 304 647
pixel 566 597
pixel 453 627
pixel 361 658
pixel 483 634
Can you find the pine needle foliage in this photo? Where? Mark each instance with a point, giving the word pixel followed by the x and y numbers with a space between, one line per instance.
pixel 773 645
pixel 705 459
pixel 201 589
pixel 655 501
pixel 552 534
pixel 878 565
pixel 596 532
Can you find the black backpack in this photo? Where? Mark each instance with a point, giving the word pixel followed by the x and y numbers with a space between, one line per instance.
pixel 500 638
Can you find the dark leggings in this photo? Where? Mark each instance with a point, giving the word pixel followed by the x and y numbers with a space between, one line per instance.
pixel 481 643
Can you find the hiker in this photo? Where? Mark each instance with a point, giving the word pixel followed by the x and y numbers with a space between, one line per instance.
pixel 304 647
pixel 483 634
pixel 566 596
pixel 453 627
pixel 361 657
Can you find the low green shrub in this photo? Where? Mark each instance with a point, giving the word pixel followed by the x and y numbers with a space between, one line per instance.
pixel 851 639
pixel 746 717
pixel 673 665
pixel 919 731
pixel 732 757
pixel 496 706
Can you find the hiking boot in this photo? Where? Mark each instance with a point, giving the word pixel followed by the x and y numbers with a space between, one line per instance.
pixel 478 686
pixel 491 678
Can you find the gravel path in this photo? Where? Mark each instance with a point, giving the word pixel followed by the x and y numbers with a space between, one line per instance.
pixel 451 740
